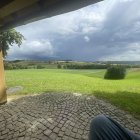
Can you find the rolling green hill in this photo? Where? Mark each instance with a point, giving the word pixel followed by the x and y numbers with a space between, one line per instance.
pixel 123 93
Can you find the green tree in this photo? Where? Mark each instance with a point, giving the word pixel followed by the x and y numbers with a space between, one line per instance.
pixel 8 38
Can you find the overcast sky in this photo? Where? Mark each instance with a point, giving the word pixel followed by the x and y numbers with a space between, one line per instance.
pixel 108 30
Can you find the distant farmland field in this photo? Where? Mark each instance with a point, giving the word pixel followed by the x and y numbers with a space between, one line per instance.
pixel 122 93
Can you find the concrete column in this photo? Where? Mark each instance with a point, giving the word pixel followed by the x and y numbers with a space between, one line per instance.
pixel 3 95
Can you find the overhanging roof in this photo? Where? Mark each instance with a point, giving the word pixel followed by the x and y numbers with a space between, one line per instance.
pixel 19 12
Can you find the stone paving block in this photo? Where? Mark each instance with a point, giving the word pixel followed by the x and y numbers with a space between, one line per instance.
pixel 47 132
pixel 61 134
pixel 27 138
pixel 67 132
pixel 80 131
pixel 5 131
pixel 58 138
pixel 65 137
pixel 21 138
pixel 56 129
pixel 53 136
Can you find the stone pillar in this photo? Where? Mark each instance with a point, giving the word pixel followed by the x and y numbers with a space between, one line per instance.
pixel 3 95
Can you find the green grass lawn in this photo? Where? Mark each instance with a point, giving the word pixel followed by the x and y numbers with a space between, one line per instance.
pixel 123 93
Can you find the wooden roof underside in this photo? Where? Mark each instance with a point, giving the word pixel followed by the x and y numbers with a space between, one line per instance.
pixel 19 12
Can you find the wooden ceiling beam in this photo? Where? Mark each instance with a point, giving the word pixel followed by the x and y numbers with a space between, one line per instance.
pixel 15 6
pixel 4 2
pixel 34 10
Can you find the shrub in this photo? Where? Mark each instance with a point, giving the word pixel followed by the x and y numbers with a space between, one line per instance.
pixel 8 66
pixel 115 72
pixel 40 67
pixel 59 66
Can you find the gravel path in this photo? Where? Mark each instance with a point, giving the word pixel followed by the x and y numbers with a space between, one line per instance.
pixel 56 116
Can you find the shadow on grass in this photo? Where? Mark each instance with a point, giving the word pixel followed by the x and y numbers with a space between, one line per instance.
pixel 127 101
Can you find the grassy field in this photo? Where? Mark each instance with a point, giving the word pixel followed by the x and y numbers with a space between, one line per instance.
pixel 123 93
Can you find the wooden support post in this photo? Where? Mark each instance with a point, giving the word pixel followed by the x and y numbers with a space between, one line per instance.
pixel 3 96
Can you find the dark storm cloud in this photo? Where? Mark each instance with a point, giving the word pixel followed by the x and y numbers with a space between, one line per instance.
pixel 109 30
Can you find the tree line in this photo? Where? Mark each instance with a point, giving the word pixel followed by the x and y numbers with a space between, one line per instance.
pixel 93 66
pixel 12 66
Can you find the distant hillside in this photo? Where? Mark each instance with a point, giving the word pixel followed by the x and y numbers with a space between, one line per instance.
pixel 120 62
pixel 66 64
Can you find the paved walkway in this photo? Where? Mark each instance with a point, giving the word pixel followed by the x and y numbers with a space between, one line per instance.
pixel 55 116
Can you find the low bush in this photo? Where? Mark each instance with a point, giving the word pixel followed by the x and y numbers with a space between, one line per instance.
pixel 40 67
pixel 59 66
pixel 115 72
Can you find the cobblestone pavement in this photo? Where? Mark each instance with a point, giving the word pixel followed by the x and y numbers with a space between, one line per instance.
pixel 56 116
